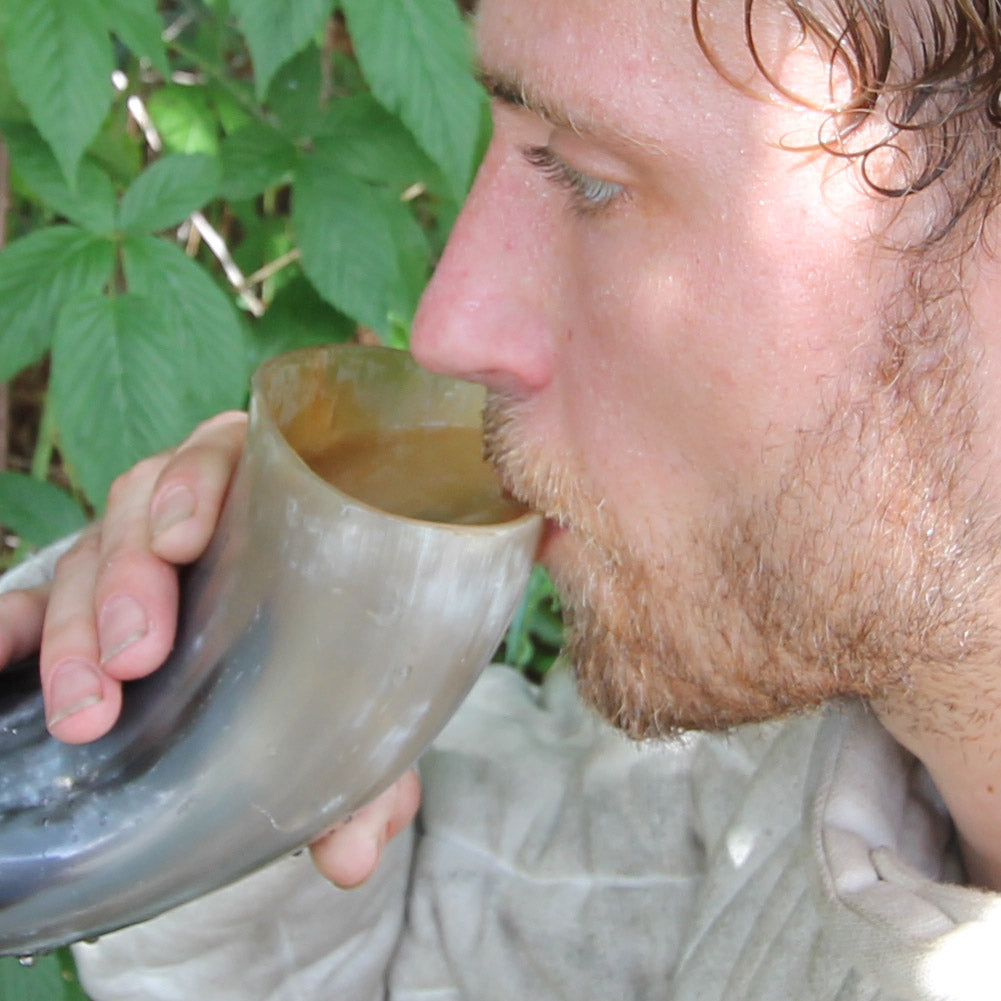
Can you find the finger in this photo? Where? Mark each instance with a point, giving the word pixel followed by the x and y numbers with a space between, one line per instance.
pixel 135 591
pixel 113 601
pixel 173 498
pixel 81 701
pixel 190 491
pixel 348 855
pixel 21 615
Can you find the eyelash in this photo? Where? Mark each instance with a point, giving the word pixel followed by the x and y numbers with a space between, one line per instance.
pixel 588 194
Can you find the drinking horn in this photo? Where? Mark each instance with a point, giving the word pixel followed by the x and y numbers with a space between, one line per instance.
pixel 322 644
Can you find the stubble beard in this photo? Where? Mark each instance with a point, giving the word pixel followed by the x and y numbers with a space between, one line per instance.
pixel 865 570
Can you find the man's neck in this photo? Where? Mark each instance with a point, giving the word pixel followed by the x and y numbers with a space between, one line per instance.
pixel 957 736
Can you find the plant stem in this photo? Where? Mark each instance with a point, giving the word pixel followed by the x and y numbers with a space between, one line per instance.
pixel 41 460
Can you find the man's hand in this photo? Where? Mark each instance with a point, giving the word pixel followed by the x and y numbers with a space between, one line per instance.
pixel 350 853
pixel 109 615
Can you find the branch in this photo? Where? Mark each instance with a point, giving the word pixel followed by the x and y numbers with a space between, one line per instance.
pixel 214 241
pixel 272 268
pixel 211 236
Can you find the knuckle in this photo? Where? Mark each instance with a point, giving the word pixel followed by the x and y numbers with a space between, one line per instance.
pixel 65 626
pixel 115 563
pixel 125 484
pixel 19 605
pixel 81 554
pixel 220 432
pixel 228 419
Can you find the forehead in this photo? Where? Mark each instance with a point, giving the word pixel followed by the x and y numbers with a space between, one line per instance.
pixel 635 65
pixel 596 58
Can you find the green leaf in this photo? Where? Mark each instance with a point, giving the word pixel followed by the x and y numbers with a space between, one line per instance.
pixel 50 978
pixel 416 57
pixel 276 30
pixel 208 342
pixel 59 56
pixel 413 257
pixel 90 202
pixel 38 511
pixel 295 94
pixel 254 159
pixel 185 119
pixel 298 318
pixel 114 388
pixel 139 26
pixel 232 100
pixel 375 146
pixel 11 107
pixel 119 151
pixel 535 635
pixel 263 238
pixel 346 242
pixel 168 191
pixel 38 273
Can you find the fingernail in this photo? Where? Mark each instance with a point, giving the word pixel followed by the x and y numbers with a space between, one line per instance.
pixel 74 687
pixel 123 622
pixel 175 506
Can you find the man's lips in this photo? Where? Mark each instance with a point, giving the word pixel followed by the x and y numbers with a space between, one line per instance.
pixel 551 533
pixel 552 528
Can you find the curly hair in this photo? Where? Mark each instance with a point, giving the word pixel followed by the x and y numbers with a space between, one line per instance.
pixel 927 75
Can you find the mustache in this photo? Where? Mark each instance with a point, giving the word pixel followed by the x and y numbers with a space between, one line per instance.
pixel 525 472
pixel 544 479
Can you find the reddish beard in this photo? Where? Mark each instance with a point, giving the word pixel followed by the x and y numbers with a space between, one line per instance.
pixel 868 563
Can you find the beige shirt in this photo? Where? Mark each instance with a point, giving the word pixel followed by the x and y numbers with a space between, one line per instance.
pixel 807 859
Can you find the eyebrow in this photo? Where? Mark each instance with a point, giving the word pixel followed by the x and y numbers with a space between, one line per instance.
pixel 516 93
pixel 508 90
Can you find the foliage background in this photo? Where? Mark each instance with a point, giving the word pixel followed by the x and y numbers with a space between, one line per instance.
pixel 196 185
pixel 186 188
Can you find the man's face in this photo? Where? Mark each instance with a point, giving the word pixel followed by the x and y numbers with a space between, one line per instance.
pixel 699 364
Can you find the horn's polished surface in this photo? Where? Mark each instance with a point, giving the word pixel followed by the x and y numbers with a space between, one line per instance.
pixel 322 645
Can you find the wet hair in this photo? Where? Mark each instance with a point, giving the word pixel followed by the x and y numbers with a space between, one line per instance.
pixel 922 107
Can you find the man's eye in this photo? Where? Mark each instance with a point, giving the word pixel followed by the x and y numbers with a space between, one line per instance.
pixel 588 194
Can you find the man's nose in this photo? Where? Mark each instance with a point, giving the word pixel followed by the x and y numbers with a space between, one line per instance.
pixel 487 315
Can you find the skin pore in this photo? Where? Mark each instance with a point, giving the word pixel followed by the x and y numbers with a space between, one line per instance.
pixel 761 433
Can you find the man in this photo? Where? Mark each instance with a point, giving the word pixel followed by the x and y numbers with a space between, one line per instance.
pixel 729 277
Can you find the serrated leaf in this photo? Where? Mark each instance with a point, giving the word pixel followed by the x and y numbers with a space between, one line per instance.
pixel 254 159
pixel 115 389
pixel 415 56
pixel 276 30
pixel 90 202
pixel 413 257
pixel 38 273
pixel 139 26
pixel 184 118
pixel 59 55
pixel 168 191
pixel 346 242
pixel 374 145
pixel 208 342
pixel 11 107
pixel 120 152
pixel 38 511
pixel 231 100
pixel 295 93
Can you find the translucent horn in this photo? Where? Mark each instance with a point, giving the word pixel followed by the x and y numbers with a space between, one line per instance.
pixel 323 643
